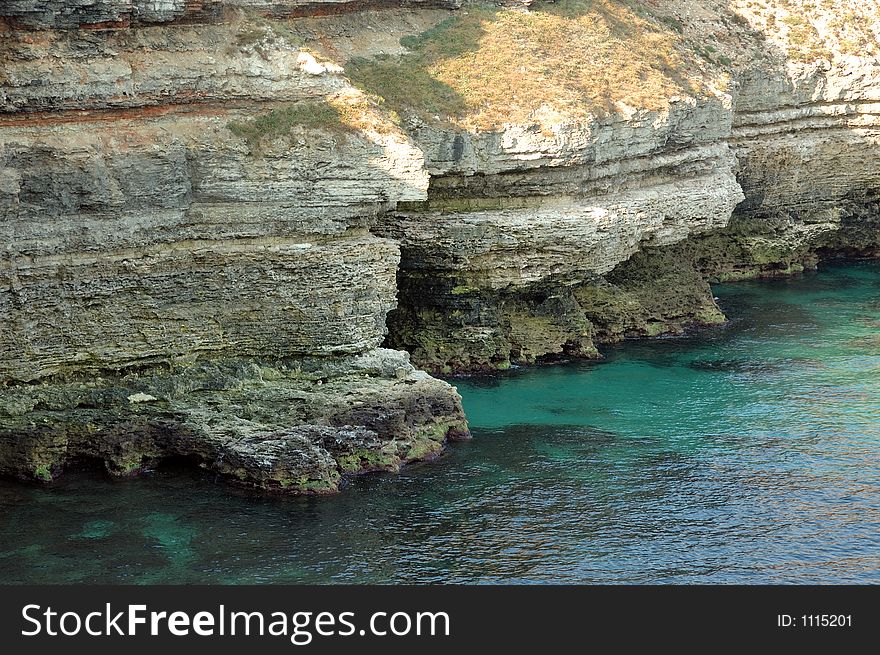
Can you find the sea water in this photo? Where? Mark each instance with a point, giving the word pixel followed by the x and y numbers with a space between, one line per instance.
pixel 744 453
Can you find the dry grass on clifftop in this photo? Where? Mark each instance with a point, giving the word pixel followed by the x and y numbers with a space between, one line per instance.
pixel 817 29
pixel 486 66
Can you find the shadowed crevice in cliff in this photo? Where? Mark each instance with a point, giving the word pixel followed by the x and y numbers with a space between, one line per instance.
pixel 652 293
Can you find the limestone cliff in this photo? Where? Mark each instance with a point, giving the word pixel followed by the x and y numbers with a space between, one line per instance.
pixel 169 287
pixel 717 140
pixel 210 207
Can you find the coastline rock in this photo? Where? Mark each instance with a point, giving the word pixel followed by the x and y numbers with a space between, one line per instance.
pixel 209 208
pixel 510 261
pixel 188 267
pixel 295 425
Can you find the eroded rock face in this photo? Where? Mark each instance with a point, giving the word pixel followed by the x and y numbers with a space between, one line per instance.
pixel 116 13
pixel 74 13
pixel 292 424
pixel 188 266
pixel 172 241
pixel 808 144
pixel 499 281
pixel 525 247
pixel 206 223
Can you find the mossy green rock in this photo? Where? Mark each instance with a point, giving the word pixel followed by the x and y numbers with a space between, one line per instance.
pixel 299 428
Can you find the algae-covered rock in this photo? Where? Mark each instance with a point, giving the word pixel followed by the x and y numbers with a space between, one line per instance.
pixel 267 425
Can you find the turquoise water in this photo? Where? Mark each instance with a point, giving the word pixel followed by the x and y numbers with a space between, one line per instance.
pixel 744 453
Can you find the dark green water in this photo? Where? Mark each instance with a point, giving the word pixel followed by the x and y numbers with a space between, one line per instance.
pixel 746 453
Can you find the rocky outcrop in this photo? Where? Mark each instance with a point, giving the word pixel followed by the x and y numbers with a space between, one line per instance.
pixel 294 425
pixel 808 146
pixel 125 13
pixel 147 266
pixel 525 246
pixel 189 268
pixel 494 264
pixel 209 208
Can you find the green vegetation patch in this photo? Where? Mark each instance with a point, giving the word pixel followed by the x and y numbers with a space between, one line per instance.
pixel 43 472
pixel 279 122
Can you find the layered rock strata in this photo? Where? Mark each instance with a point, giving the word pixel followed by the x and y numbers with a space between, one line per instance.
pixel 506 265
pixel 189 268
pixel 525 247
pixel 808 147
pixel 125 13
